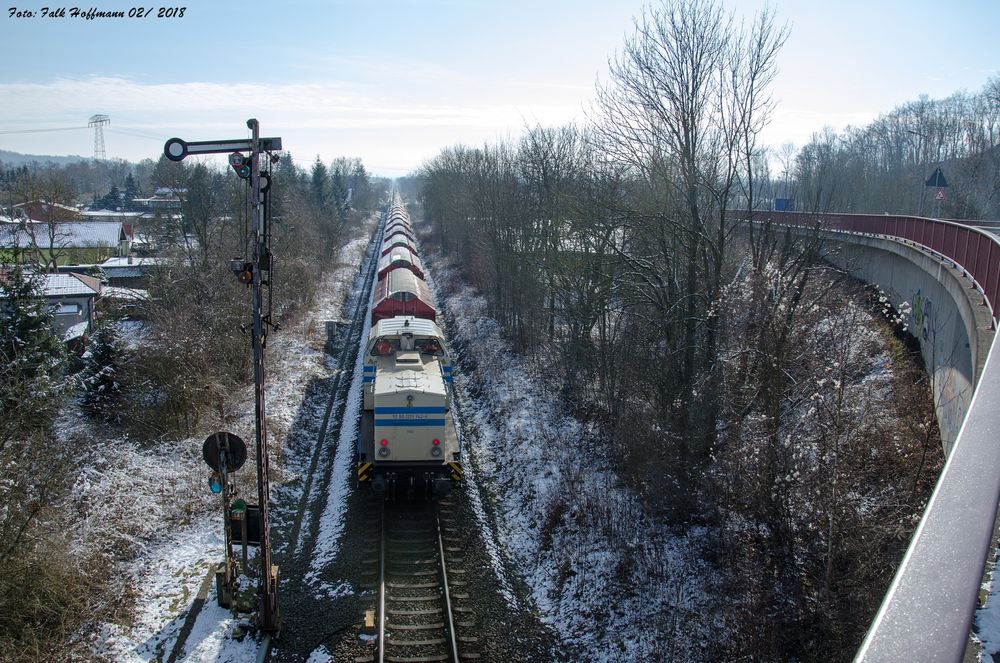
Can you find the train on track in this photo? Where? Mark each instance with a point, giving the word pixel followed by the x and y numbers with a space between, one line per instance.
pixel 408 445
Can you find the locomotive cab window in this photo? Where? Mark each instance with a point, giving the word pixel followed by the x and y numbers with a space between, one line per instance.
pixel 431 347
pixel 384 347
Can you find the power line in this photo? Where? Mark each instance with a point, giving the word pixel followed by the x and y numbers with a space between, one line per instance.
pixel 38 131
pixel 136 133
pixel 125 131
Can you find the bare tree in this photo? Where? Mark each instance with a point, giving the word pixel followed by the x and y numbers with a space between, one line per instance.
pixel 684 109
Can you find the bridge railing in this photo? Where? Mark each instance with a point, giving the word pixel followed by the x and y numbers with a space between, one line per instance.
pixel 927 613
pixel 974 251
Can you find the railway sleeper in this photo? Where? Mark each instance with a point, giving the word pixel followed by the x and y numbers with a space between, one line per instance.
pixel 428 549
pixel 392 626
pixel 402 611
pixel 404 585
pixel 409 543
pixel 416 659
pixel 415 643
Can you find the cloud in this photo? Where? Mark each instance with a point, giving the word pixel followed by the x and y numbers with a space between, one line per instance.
pixel 211 106
pixel 393 133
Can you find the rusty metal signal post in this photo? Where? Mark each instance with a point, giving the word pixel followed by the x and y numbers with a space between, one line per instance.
pixel 256 273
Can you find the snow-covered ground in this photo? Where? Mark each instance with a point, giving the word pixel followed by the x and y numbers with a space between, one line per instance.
pixel 987 623
pixel 598 570
pixel 165 516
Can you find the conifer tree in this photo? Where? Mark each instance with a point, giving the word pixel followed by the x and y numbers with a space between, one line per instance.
pixel 31 356
pixel 101 388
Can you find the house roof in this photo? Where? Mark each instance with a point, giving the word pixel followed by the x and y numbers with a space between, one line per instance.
pixel 76 331
pixel 70 285
pixel 68 235
pixel 111 215
pixel 137 261
pixel 45 206
pixel 125 294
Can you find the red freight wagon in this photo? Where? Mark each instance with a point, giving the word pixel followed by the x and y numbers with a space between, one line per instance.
pixel 395 228
pixel 400 258
pixel 402 293
pixel 398 241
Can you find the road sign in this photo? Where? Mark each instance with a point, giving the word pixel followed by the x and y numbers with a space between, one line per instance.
pixel 940 195
pixel 937 179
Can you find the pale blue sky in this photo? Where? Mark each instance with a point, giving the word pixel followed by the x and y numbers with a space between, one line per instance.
pixel 394 81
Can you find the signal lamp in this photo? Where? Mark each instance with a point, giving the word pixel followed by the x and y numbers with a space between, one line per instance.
pixel 246 276
pixel 240 165
pixel 215 482
pixel 437 442
pixel 384 442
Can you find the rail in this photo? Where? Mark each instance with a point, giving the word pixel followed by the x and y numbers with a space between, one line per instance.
pixel 927 613
pixel 414 587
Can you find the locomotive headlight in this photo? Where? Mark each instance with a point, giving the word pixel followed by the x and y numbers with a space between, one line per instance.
pixel 435 451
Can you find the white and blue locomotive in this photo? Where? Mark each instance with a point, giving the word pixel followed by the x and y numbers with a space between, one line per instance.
pixel 407 440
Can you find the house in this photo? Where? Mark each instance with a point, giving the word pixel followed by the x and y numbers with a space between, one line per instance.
pixel 163 200
pixel 128 272
pixel 110 215
pixel 73 300
pixel 70 242
pixel 42 210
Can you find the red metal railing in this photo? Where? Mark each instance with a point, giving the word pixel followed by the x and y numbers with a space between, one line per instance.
pixel 976 252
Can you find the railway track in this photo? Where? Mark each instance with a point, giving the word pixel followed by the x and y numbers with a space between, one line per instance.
pixel 309 621
pixel 350 340
pixel 421 615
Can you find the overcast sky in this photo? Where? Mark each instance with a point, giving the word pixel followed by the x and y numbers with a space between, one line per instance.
pixel 394 81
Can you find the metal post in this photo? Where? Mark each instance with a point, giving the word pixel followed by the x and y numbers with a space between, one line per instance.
pixel 223 462
pixel 177 149
pixel 269 603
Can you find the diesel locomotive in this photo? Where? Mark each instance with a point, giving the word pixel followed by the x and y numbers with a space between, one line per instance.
pixel 407 444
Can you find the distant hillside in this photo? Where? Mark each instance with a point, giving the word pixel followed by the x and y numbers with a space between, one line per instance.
pixel 16 158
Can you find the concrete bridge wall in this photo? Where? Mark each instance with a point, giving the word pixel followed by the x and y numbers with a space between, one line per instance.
pixel 946 315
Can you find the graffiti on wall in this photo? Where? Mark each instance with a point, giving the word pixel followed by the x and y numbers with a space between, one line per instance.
pixel 952 390
pixel 922 316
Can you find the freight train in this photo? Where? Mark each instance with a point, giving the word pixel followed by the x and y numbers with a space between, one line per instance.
pixel 407 444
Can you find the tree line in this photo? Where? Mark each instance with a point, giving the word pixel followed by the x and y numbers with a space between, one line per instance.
pixel 614 254
pixel 884 166
pixel 176 379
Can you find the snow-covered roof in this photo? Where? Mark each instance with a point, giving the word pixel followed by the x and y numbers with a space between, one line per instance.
pixel 141 261
pixel 70 285
pixel 111 214
pixel 68 235
pixel 125 294
pixel 44 204
pixel 75 331
pixel 408 324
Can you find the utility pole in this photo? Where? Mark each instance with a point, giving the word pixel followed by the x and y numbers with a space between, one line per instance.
pixel 255 273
